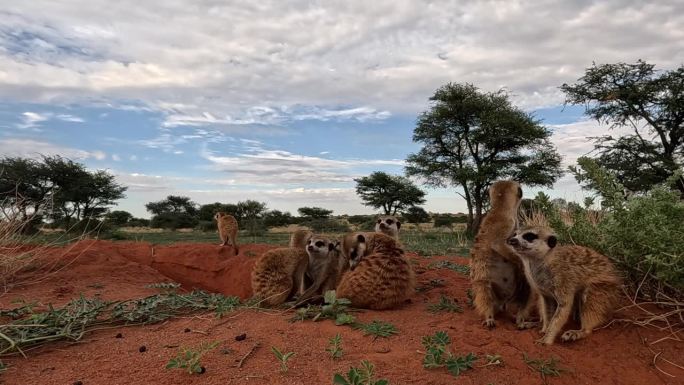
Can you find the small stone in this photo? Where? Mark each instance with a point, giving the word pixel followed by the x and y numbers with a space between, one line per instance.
pixel 202 370
pixel 187 330
pixel 119 335
pixel 241 337
pixel 142 349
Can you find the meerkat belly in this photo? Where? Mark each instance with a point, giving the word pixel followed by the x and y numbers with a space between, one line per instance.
pixel 529 274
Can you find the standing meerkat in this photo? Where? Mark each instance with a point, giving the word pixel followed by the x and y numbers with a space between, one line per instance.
pixel 496 271
pixel 299 238
pixel 380 276
pixel 228 229
pixel 388 225
pixel 278 274
pixel 567 279
pixel 323 267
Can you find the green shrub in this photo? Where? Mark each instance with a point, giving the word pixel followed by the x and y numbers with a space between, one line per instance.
pixel 642 234
pixel 206 226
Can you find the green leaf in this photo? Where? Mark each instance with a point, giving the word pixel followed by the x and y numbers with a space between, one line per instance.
pixel 338 379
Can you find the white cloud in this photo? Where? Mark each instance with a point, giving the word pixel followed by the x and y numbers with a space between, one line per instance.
pixel 34 119
pixel 116 158
pixel 133 157
pixel 235 62
pixel 30 148
pixel 573 140
pixel 273 167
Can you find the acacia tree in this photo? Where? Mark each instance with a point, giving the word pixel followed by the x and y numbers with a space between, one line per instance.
pixel 651 103
pixel 472 138
pixel 392 193
pixel 173 212
pixel 314 212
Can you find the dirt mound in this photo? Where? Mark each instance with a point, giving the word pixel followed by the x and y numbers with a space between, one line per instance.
pixel 619 354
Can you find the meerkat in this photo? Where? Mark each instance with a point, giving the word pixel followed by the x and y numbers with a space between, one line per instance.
pixel 279 274
pixel 380 276
pixel 323 267
pixel 496 271
pixel 228 229
pixel 567 279
pixel 299 238
pixel 388 225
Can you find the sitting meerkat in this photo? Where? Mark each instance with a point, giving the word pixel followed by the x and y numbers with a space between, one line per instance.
pixel 380 276
pixel 228 229
pixel 279 274
pixel 388 225
pixel 323 266
pixel 567 279
pixel 496 271
pixel 299 238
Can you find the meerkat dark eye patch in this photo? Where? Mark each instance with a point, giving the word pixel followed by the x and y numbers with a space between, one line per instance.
pixel 552 241
pixel 529 237
pixel 389 222
pixel 320 244
pixel 331 246
pixel 398 225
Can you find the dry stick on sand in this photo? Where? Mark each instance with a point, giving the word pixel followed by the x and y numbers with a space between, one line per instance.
pixel 242 360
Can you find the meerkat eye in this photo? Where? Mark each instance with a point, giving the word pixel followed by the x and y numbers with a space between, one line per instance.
pixel 529 237
pixel 389 222
pixel 320 244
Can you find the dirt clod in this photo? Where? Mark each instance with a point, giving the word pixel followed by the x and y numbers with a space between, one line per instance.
pixel 118 335
pixel 241 337
pixel 142 349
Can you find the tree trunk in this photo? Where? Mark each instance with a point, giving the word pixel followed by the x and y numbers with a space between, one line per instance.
pixel 469 203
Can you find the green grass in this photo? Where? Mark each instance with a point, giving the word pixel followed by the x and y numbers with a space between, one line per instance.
pixel 425 243
pixel 446 305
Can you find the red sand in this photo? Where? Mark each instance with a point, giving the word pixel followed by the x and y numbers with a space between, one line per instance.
pixel 616 355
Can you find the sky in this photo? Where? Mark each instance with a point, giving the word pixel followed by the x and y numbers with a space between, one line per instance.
pixel 288 102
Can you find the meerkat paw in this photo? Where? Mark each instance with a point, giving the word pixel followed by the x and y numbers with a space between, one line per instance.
pixel 572 335
pixel 489 323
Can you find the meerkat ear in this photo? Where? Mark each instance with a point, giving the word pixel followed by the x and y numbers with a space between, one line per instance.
pixel 360 238
pixel 338 246
pixel 519 192
pixel 398 225
pixel 552 241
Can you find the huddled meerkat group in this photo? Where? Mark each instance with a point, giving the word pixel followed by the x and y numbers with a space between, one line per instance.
pixel 510 265
pixel 526 266
pixel 369 269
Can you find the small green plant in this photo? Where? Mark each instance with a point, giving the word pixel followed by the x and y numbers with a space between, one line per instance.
pixel 189 359
pixel 282 358
pixel 545 368
pixel 333 308
pixel 377 329
pixel 359 376
pixel 445 304
pixel 437 355
pixel 463 269
pixel 335 346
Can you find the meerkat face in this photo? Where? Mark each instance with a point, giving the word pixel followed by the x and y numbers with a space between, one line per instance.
pixel 504 190
pixel 387 224
pixel 319 247
pixel 533 242
pixel 354 248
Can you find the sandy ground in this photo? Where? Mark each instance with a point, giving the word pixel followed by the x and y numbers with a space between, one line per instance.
pixel 619 354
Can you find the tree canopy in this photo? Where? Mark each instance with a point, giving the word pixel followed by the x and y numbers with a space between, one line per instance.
pixel 392 193
pixel 314 212
pixel 58 188
pixel 651 104
pixel 472 138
